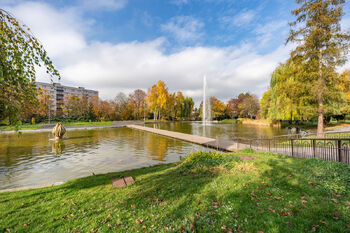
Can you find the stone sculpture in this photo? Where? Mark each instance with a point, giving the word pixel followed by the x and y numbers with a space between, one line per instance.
pixel 58 131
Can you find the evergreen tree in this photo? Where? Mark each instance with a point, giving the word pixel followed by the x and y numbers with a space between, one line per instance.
pixel 321 47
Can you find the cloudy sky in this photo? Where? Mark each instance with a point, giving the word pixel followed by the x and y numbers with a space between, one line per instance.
pixel 122 45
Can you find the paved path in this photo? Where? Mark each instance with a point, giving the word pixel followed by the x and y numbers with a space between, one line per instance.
pixel 204 141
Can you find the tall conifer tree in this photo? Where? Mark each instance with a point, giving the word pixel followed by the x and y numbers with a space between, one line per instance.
pixel 321 47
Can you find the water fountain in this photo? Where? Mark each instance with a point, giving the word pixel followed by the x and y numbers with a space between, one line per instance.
pixel 206 110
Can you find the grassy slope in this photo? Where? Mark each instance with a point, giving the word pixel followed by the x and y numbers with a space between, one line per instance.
pixel 204 193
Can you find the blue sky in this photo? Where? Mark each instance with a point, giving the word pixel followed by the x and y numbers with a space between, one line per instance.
pixel 121 45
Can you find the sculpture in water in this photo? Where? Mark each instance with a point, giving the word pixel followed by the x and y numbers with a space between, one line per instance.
pixel 58 131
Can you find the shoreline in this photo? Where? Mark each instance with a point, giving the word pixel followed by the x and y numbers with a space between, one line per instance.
pixel 48 127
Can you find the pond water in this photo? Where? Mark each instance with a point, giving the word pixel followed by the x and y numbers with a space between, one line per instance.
pixel 32 159
pixel 221 131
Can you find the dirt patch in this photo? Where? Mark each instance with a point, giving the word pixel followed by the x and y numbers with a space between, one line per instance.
pixel 247 157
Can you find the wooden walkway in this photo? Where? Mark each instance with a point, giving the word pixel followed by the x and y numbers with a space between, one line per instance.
pixel 224 145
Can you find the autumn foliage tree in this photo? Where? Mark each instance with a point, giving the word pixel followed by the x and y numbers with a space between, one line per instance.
pixel 20 53
pixel 244 105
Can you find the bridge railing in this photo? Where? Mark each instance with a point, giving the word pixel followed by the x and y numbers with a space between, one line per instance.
pixel 332 149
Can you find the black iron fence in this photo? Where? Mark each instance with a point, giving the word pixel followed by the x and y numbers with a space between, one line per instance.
pixel 332 149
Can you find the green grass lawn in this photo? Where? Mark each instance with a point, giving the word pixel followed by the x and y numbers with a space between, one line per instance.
pixel 98 123
pixel 206 192
pixel 230 121
pixel 22 127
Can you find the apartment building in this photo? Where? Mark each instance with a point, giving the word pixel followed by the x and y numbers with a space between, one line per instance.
pixel 58 93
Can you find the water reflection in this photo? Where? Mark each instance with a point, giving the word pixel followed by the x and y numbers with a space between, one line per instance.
pixel 58 147
pixel 221 131
pixel 31 158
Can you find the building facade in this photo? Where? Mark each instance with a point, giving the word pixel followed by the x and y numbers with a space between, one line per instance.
pixel 58 92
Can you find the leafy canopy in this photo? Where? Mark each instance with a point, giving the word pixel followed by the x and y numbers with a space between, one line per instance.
pixel 20 54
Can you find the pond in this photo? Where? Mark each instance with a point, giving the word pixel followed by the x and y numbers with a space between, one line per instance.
pixel 32 159
pixel 221 131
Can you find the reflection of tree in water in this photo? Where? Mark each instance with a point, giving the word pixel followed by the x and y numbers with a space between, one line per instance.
pixel 58 147
pixel 156 146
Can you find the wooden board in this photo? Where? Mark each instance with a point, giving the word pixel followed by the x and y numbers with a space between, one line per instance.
pixel 122 182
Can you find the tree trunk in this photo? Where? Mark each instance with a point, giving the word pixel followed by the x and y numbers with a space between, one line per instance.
pixel 320 122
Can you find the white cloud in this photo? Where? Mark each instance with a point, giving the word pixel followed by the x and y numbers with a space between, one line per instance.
pixel 243 18
pixel 60 31
pixel 114 67
pixel 184 28
pixel 179 2
pixel 103 4
pixel 267 32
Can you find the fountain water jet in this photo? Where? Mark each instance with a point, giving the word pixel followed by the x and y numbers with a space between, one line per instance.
pixel 206 110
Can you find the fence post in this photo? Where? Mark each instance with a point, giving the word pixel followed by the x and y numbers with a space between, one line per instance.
pixel 314 147
pixel 339 150
pixel 291 141
pixel 250 143
pixel 269 145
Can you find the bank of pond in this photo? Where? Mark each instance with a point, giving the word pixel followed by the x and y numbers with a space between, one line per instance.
pixel 204 192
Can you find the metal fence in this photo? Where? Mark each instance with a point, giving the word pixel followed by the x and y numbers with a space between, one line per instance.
pixel 332 149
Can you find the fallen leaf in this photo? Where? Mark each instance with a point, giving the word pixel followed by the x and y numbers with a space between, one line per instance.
pixel 347 203
pixel 259 232
pixel 227 229
pixel 144 227
pixel 323 222
pixel 303 202
pixel 310 183
pixel 252 198
pixel 109 225
pixel 117 225
pixel 139 221
pixel 314 227
pixel 183 229
pixel 271 210
pixel 289 223
pixel 347 225
pixel 278 198
pixel 25 224
pixel 235 215
pixel 336 218
pixel 8 229
pixel 284 213
pixel 258 187
pixel 132 206
pixel 109 215
pixel 334 200
pixel 198 214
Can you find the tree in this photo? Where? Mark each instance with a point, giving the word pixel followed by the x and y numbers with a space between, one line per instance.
pixel 244 105
pixel 321 47
pixel 250 107
pixel 188 107
pixel 122 108
pixel 20 53
pixel 218 109
pixel 137 100
pixel 179 105
pixel 157 97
